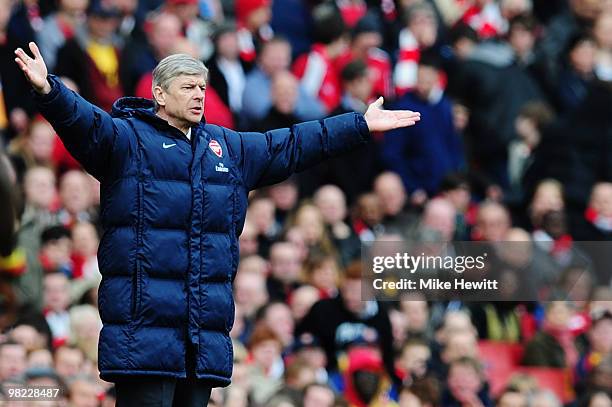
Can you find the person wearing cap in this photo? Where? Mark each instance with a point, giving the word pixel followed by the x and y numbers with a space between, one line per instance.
pixel 174 195
pixel 91 57
pixel 253 18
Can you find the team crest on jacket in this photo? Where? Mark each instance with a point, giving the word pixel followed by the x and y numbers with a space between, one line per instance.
pixel 216 148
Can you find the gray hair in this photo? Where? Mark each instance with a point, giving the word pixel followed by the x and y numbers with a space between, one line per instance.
pixel 172 67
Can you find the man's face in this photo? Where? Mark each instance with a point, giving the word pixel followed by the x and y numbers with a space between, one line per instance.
pixel 427 79
pixel 275 58
pixel 318 396
pixel 183 101
pixel 12 361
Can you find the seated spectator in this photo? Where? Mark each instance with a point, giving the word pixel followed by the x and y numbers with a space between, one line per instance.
pixel 197 30
pixel 266 366
pixel 420 32
pixel 345 319
pixel 226 72
pixel 285 270
pixel 416 310
pixel 322 272
pixel 56 303
pixel 30 337
pixel 391 194
pixel 83 391
pixel 599 344
pixel 285 198
pixel 512 398
pixel 578 72
pixel 465 384
pixel 86 274
pixel 422 157
pixel 366 39
pixel 60 27
pixel 414 360
pixel 284 90
pixel 492 222
pixel 12 360
pixel 598 215
pixel 438 221
pixel 253 18
pixel 309 219
pixel 601 33
pixel 318 395
pixel 277 316
pixel 364 378
pixel 456 188
pixel 91 57
pixel 545 398
pixel 248 241
pixel 250 294
pixel 40 358
pixel 274 57
pixel 307 348
pixel 76 198
pixel 140 56
pixel 317 70
pixel 85 326
pixel 529 124
pixel 547 197
pixel 420 393
pixel 355 171
pixel 55 249
pixel 261 215
pixel 33 148
pixel 554 345
pixel 302 299
pixel 331 201
pixel 68 361
pixel 368 217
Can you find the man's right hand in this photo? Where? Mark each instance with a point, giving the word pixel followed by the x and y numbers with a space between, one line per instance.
pixel 34 69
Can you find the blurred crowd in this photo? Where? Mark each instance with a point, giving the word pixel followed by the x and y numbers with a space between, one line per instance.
pixel 514 145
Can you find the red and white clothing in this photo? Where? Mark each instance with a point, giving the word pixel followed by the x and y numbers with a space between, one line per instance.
pixel 487 21
pixel 319 76
pixel 379 71
pixel 405 72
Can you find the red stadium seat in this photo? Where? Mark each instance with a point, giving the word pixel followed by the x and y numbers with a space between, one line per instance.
pixel 500 360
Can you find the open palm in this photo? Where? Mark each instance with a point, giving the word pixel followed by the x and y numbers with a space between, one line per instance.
pixel 382 120
pixel 34 69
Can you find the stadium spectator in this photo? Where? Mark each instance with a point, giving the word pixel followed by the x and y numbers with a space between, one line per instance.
pixel 317 70
pixel 91 57
pixel 284 89
pixel 274 57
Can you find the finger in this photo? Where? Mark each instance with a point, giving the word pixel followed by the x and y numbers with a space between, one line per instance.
pixel 35 50
pixel 379 102
pixel 22 55
pixel 22 65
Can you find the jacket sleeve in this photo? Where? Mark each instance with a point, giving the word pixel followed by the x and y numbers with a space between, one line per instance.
pixel 271 157
pixel 88 132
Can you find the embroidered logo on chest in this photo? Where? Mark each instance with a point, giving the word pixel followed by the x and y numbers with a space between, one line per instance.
pixel 216 148
pixel 221 168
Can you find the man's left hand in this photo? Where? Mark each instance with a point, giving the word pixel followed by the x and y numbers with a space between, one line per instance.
pixel 382 120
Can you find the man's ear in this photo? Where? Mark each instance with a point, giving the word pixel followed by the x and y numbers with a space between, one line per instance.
pixel 159 95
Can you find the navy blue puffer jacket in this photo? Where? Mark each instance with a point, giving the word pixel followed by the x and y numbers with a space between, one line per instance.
pixel 172 211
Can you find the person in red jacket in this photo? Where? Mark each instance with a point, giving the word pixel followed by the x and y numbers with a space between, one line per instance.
pixel 366 39
pixel 317 71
